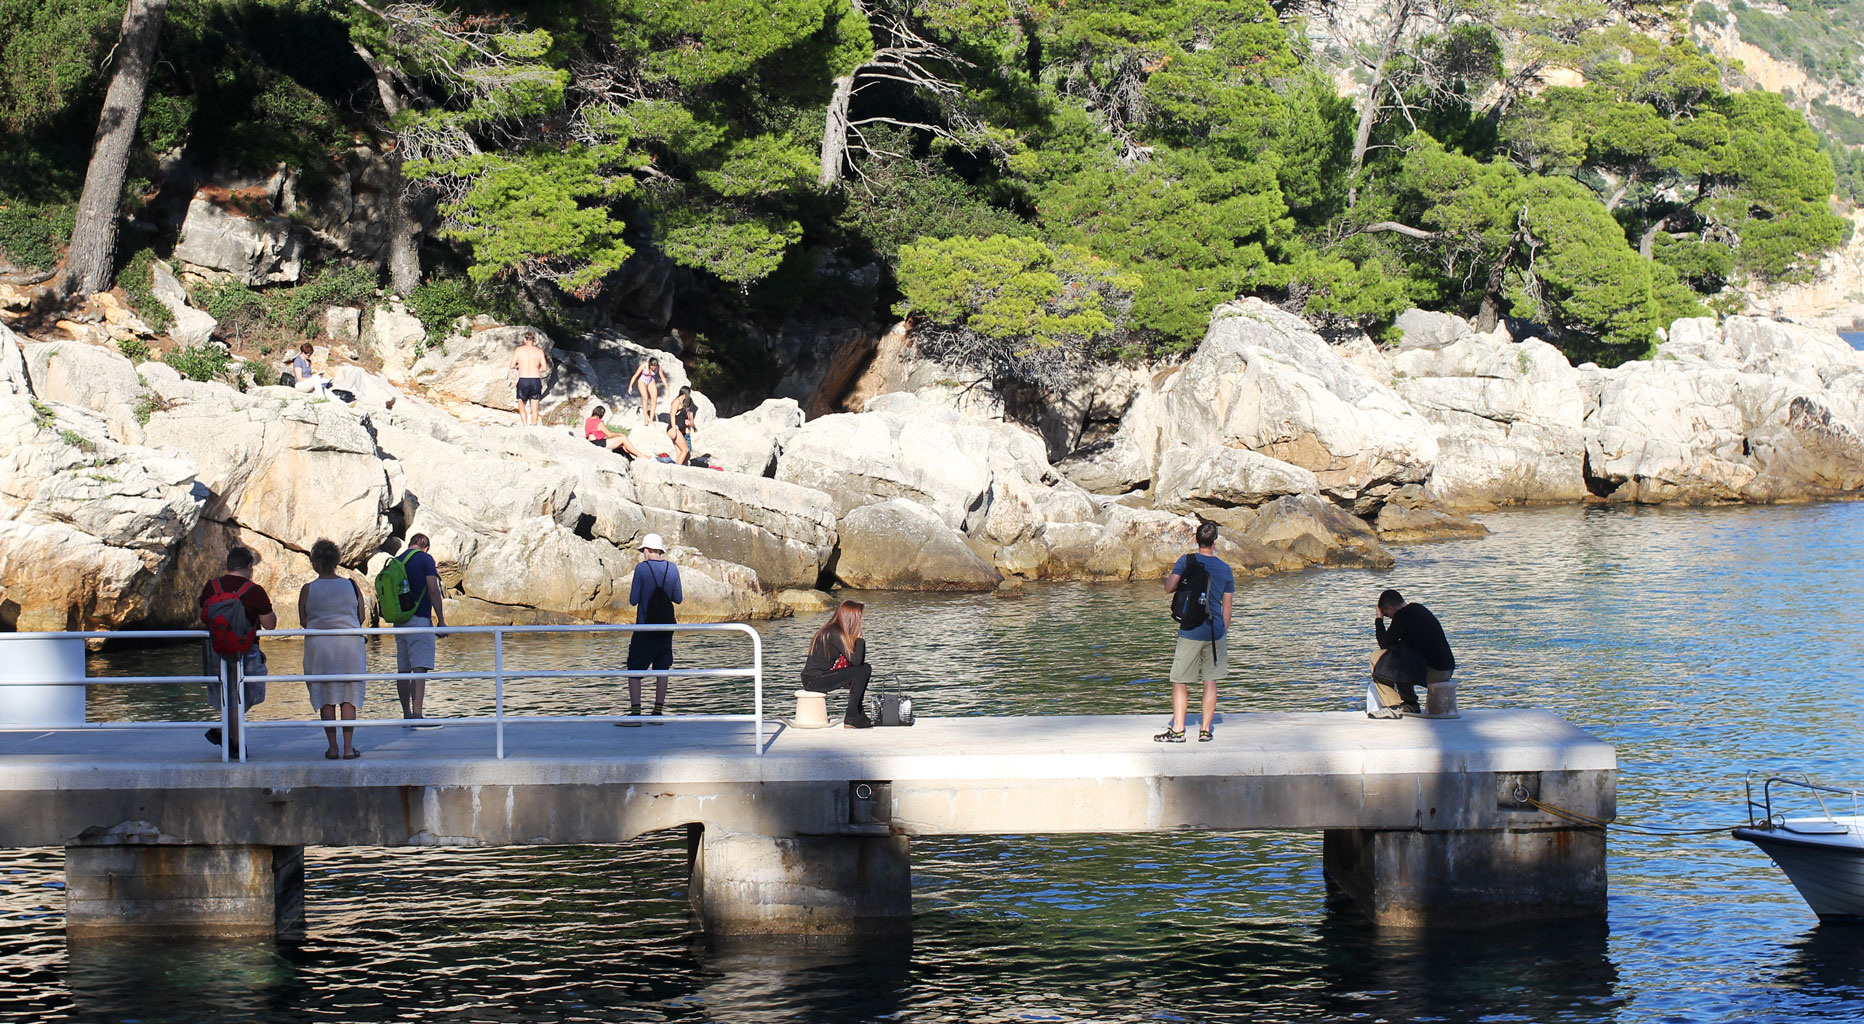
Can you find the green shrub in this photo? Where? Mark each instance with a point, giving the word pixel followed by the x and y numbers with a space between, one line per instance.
pixel 135 350
pixel 42 415
pixel 137 279
pixel 439 303
pixel 239 309
pixel 299 311
pixel 285 313
pixel 200 362
pixel 76 440
pixel 34 234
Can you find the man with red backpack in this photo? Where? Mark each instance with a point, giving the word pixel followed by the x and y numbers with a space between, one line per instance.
pixel 234 609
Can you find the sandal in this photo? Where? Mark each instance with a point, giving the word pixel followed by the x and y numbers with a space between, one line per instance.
pixel 352 755
pixel 1205 735
pixel 331 755
pixel 1170 736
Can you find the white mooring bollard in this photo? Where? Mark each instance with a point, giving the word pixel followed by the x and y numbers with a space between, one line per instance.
pixel 811 710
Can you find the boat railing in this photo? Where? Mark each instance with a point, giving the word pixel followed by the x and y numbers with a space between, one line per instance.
pixel 1761 814
pixel 67 671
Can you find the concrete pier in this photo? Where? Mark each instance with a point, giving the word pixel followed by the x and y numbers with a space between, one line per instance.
pixel 167 891
pixel 1423 822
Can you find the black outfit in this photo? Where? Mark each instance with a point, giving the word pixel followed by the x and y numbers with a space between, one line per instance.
pixel 1418 652
pixel 821 675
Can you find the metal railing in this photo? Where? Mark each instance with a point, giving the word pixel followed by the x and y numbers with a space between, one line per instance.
pixel 233 705
pixel 1767 819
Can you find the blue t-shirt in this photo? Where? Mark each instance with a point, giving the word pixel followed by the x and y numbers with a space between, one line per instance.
pixel 419 566
pixel 650 574
pixel 1222 581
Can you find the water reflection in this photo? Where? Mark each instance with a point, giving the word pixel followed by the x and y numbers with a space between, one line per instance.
pixel 1701 642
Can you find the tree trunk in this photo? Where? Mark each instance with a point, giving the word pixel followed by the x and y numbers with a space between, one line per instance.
pixel 1369 107
pixel 835 132
pixel 89 264
pixel 1647 244
pixel 1489 313
pixel 404 220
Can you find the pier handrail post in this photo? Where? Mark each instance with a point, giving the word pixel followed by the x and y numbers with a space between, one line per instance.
pixel 757 683
pixel 226 710
pixel 238 666
pixel 498 689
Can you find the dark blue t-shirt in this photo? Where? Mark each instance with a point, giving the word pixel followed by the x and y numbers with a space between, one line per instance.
pixel 1222 581
pixel 653 574
pixel 419 566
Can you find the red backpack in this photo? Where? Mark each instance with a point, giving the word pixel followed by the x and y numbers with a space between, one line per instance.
pixel 229 630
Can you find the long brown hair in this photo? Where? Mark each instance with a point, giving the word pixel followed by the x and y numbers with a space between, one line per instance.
pixel 845 620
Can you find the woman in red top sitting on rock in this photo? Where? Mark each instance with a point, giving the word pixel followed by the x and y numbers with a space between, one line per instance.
pixel 597 434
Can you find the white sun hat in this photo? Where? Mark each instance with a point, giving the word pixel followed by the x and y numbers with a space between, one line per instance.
pixel 653 542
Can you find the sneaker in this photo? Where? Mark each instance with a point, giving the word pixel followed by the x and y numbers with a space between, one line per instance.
pixel 213 735
pixel 1412 710
pixel 658 711
pixel 1170 735
pixel 1386 713
pixel 857 720
pixel 424 724
pixel 633 712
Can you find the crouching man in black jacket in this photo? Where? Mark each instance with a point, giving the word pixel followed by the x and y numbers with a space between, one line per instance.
pixel 1413 652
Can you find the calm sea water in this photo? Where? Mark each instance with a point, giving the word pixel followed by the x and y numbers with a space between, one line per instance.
pixel 1702 643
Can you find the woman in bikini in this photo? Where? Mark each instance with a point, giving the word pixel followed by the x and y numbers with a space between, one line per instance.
pixel 680 425
pixel 646 383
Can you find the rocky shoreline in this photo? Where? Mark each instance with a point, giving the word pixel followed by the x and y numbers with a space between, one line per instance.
pixel 125 483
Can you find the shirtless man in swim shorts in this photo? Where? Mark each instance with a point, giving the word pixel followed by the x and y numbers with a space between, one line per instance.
pixel 530 366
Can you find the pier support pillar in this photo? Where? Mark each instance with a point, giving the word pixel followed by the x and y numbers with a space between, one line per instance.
pixel 801 885
pixel 148 890
pixel 1468 879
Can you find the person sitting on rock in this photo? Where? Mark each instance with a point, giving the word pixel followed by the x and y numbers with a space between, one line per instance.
pixel 1413 652
pixel 596 433
pixel 307 379
pixel 838 658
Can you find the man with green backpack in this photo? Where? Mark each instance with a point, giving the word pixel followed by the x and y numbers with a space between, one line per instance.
pixel 408 592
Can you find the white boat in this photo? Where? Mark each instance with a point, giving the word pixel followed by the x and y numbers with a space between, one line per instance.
pixel 1822 856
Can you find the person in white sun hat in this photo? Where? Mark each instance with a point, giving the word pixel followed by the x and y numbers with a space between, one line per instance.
pixel 654 591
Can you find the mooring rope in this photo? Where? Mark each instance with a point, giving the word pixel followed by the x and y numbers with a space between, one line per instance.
pixel 1521 796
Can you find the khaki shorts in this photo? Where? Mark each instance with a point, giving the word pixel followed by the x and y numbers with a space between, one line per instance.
pixel 415 652
pixel 1195 661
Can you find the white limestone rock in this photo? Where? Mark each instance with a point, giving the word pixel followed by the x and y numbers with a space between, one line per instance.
pixel 784 532
pixel 1191 479
pixel 750 442
pixel 902 545
pixel 192 327
pixel 218 241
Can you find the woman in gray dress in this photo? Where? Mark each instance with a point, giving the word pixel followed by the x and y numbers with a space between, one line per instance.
pixel 332 602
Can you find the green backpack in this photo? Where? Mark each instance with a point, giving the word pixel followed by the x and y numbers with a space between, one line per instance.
pixel 392 592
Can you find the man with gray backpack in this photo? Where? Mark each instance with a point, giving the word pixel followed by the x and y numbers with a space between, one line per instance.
pixel 1203 590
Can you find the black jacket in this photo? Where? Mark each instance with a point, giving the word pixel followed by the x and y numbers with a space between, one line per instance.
pixel 822 656
pixel 1416 641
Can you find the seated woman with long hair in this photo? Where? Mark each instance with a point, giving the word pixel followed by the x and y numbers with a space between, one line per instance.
pixel 596 433
pixel 838 658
